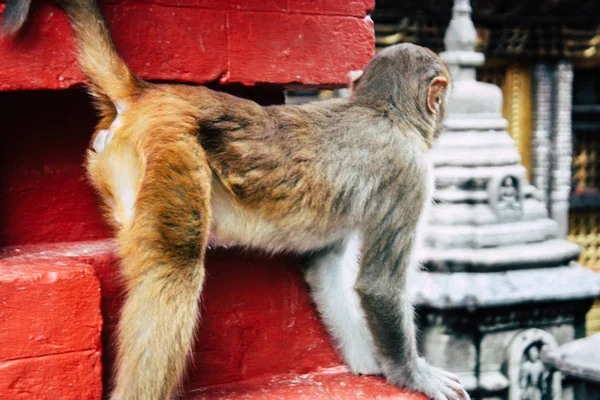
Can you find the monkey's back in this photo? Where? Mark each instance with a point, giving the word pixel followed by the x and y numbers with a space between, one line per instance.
pixel 286 165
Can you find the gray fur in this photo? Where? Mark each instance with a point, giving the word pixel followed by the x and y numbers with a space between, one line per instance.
pixel 14 16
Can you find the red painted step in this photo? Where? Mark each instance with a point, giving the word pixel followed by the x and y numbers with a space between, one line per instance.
pixel 311 42
pixel 331 384
pixel 260 336
pixel 50 326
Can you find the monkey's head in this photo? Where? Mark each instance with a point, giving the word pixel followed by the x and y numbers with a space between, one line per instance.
pixel 412 82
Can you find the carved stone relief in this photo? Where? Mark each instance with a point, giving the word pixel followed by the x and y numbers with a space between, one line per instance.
pixel 529 378
pixel 506 196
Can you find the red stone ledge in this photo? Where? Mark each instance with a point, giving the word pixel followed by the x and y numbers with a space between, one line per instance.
pixel 308 42
pixel 66 376
pixel 260 337
pixel 330 384
pixel 50 325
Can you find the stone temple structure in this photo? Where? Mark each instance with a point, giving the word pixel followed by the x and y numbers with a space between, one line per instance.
pixel 499 285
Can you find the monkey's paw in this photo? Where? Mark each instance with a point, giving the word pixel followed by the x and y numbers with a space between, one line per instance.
pixel 436 383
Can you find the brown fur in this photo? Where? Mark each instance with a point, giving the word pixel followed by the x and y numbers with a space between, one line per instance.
pixel 162 246
pixel 188 162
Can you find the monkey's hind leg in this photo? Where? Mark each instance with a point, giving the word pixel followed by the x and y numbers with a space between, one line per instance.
pixel 162 252
pixel 331 275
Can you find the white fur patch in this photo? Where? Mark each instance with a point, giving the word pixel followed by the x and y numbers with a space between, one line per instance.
pixel 120 106
pixel 104 136
pixel 354 75
pixel 121 170
pixel 101 140
pixel 332 280
pixel 125 181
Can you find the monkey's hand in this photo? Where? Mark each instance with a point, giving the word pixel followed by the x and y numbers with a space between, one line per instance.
pixel 435 383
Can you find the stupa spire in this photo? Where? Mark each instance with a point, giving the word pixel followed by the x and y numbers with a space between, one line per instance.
pixel 460 41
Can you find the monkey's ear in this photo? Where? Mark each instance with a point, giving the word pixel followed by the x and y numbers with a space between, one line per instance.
pixel 353 78
pixel 434 96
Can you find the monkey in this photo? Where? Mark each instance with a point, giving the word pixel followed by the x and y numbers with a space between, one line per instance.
pixel 342 182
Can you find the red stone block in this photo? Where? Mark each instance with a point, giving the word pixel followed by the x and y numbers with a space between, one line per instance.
pixel 247 5
pixel 44 193
pixel 75 375
pixel 331 384
pixel 259 328
pixel 257 5
pixel 42 56
pixel 357 8
pixel 48 306
pixel 158 42
pixel 296 48
pixel 257 319
pixel 237 41
pixel 50 326
pixel 170 43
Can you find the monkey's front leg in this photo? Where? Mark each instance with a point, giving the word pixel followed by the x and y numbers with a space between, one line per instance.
pixel 381 286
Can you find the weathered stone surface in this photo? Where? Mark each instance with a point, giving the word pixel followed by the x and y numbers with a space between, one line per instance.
pixel 476 101
pixel 285 48
pixel 503 234
pixel 474 148
pixel 65 376
pixel 450 170
pixel 580 358
pixel 50 325
pixel 477 169
pixel 527 375
pixel 467 289
pixel 480 213
pixel 528 255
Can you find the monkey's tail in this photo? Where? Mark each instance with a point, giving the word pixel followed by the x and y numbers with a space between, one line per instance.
pixel 110 78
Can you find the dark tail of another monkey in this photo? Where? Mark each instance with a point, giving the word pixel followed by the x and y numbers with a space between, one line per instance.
pixel 14 15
